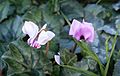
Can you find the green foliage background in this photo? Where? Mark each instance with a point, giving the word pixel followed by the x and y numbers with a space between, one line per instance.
pixel 19 59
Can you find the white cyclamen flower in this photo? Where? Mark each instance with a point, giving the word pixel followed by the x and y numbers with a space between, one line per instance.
pixel 37 37
pixel 57 58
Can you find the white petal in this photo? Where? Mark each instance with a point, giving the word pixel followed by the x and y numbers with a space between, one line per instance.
pixel 57 59
pixel 44 27
pixel 30 28
pixel 44 37
pixel 58 53
pixel 50 35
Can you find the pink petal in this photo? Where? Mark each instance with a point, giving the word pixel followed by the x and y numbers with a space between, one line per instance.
pixel 90 33
pixel 74 27
pixel 33 43
pixel 84 29
pixel 37 45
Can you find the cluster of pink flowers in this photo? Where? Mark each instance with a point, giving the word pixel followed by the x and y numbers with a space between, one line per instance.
pixel 78 30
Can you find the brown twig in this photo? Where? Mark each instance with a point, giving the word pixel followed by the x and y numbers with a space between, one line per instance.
pixel 1 72
pixel 47 48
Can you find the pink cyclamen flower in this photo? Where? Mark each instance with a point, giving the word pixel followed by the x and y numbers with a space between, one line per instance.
pixel 37 37
pixel 82 30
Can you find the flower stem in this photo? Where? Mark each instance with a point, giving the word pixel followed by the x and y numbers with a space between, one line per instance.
pixel 36 61
pixel 73 48
pixel 47 48
pixel 91 53
pixel 98 1
pixel 66 19
pixel 111 54
pixel 80 70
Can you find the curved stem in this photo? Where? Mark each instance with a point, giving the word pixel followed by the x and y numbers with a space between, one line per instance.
pixel 98 1
pixel 73 48
pixel 108 63
pixel 66 19
pixel 80 70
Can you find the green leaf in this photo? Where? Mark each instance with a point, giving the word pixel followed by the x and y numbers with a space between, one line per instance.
pixel 94 9
pixel 56 70
pixel 82 64
pixel 90 53
pixel 26 51
pixel 107 47
pixel 11 29
pixel 21 58
pixel 56 21
pixel 21 6
pixel 20 74
pixel 68 72
pixel 66 43
pixel 53 47
pixel 28 73
pixel 116 71
pixel 15 52
pixel 108 29
pixel 4 10
pixel 111 54
pixel 35 58
pixel 96 21
pixel 67 57
pixel 68 5
pixel 3 48
pixel 92 64
pixel 116 6
pixel 34 14
pixel 80 70
pixel 14 59
pixel 53 6
pixel 14 65
pixel 117 24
